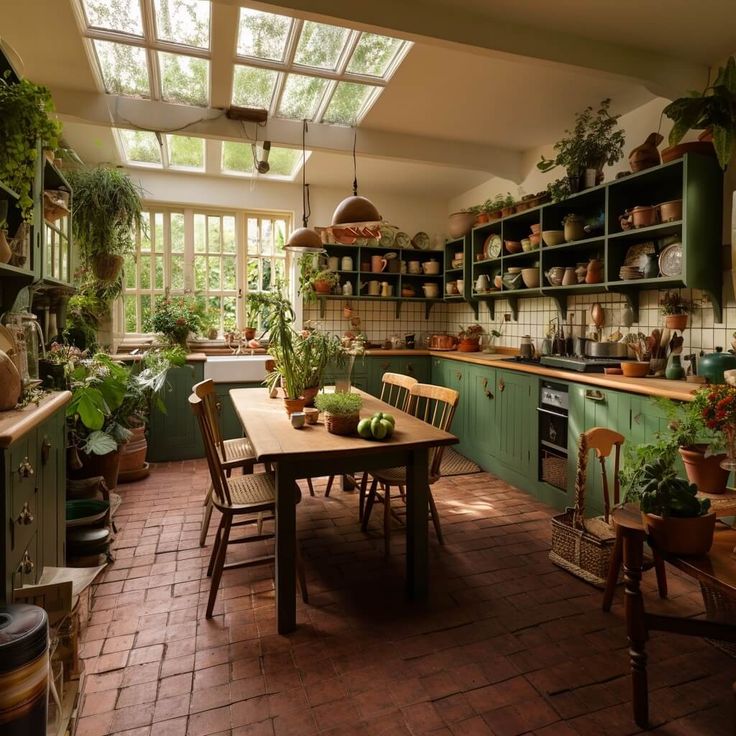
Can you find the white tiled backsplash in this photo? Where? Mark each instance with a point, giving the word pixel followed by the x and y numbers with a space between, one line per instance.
pixel 379 321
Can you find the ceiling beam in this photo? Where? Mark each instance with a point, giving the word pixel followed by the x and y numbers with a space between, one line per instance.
pixel 126 112
pixel 445 22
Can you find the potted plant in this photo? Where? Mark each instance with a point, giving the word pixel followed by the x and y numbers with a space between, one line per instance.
pixel 324 282
pixel 711 111
pixel 469 338
pixel 594 141
pixel 256 305
pixel 319 350
pixel 175 317
pixel 106 211
pixel 718 409
pixel 209 321
pixel 59 361
pixel 25 120
pixel 509 205
pixel 678 521
pixel 342 412
pixel 95 427
pixel 675 309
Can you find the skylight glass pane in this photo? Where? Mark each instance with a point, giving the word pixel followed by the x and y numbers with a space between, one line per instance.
pixel 347 103
pixel 141 146
pixel 300 96
pixel 237 158
pixel 253 87
pixel 283 161
pixel 184 78
pixel 373 55
pixel 121 15
pixel 320 45
pixel 186 152
pixel 263 35
pixel 124 68
pixel 183 21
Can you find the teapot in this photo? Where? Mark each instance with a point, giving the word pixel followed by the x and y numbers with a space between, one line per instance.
pixel 526 347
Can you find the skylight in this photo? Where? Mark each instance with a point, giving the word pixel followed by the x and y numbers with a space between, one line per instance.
pixel 237 158
pixel 293 68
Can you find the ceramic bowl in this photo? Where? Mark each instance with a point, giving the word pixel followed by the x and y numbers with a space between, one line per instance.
pixel 634 368
pixel 534 239
pixel 408 291
pixel 553 237
pixel 526 245
pixel 513 246
pixel 535 228
pixel 512 281
pixel 530 276
pixel 514 269
pixel 431 291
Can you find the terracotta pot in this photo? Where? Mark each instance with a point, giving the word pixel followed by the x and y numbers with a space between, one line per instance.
pixel 95 465
pixel 670 211
pixel 705 472
pixel 594 272
pixel 133 453
pixel 482 218
pixel 107 267
pixel 678 536
pixel 342 425
pixel 322 287
pixel 308 395
pixel 643 216
pixel 508 211
pixel 460 224
pixel 469 345
pixel 250 333
pixel 676 321
pixel 293 405
pixel 704 148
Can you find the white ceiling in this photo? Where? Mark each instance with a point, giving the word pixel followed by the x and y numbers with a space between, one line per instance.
pixel 444 95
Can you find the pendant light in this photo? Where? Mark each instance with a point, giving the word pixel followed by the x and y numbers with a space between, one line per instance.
pixel 304 239
pixel 355 208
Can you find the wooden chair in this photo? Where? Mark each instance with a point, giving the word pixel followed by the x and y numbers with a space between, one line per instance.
pixel 435 405
pixel 250 495
pixel 234 453
pixel 604 441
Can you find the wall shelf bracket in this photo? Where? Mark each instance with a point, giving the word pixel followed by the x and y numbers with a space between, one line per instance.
pixel 491 306
pixel 716 299
pixel 561 301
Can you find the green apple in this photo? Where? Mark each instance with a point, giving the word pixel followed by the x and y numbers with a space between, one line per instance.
pixel 364 428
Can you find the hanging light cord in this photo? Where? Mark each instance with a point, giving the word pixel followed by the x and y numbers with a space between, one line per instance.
pixel 306 205
pixel 355 165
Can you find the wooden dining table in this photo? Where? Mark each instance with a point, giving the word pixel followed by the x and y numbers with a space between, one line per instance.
pixel 312 452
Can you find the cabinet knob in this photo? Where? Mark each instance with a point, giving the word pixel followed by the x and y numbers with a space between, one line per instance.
pixel 26 564
pixel 218 406
pixel 45 450
pixel 25 516
pixel 410 368
pixel 25 469
pixel 385 366
pixel 501 385
pixel 459 375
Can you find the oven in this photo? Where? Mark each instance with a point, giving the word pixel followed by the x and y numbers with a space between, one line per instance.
pixel 552 411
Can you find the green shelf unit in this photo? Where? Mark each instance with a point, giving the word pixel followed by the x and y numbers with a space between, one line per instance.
pixel 695 179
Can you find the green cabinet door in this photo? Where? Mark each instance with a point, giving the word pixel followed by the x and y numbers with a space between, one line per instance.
pixel 230 425
pixel 594 407
pixel 480 414
pixel 456 377
pixel 515 437
pixel 377 366
pixel 174 435
pixel 418 368
pixel 51 438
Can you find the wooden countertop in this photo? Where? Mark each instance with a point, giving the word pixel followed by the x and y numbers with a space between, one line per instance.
pixel 680 390
pixel 128 358
pixel 14 424
pixel 377 352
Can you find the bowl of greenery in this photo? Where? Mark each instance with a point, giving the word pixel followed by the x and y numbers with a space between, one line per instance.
pixel 342 411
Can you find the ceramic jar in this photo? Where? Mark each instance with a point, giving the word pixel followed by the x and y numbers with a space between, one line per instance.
pixel 431 267
pixel 594 273
pixel 333 263
pixel 346 263
pixel 569 277
pixel 481 283
pixel 574 228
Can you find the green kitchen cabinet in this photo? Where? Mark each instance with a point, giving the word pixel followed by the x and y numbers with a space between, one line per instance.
pixel 479 414
pixel 174 435
pixel 377 365
pixel 230 425
pixel 515 438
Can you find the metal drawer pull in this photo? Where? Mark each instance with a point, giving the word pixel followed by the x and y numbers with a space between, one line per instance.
pixel 488 394
pixel 459 375
pixel 25 469
pixel 25 516
pixel 501 385
pixel 594 395
pixel 26 565
pixel 45 450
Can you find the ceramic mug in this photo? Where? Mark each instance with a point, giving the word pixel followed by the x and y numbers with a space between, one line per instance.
pixel 415 266
pixel 333 263
pixel 451 288
pixel 347 263
pixel 374 288
pixel 378 264
pixel 311 414
pixel 298 419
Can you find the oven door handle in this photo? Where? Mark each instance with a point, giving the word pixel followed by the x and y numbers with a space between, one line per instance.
pixel 553 413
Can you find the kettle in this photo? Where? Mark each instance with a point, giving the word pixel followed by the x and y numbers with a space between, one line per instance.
pixel 526 347
pixel 712 365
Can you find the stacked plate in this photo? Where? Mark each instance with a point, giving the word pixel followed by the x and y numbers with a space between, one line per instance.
pixel 629 273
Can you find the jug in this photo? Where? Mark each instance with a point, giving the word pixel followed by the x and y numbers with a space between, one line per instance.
pixel 378 264
pixel 30 342
pixel 526 347
pixel 333 263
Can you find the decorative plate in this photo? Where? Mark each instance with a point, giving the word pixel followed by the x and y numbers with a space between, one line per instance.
pixel 388 235
pixel 670 260
pixel 421 241
pixel 492 247
pixel 402 240
pixel 636 255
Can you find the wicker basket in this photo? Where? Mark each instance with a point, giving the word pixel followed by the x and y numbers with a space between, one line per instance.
pixel 343 425
pixel 582 546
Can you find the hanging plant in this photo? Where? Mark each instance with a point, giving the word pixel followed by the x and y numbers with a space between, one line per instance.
pixel 24 121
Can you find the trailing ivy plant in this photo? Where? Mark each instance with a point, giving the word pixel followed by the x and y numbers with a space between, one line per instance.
pixel 25 121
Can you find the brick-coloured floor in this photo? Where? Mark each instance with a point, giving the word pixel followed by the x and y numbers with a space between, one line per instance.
pixel 506 644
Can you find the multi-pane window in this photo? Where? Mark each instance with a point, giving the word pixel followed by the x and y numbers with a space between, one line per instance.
pixel 217 256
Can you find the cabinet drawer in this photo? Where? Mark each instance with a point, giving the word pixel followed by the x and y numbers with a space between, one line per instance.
pixel 24 567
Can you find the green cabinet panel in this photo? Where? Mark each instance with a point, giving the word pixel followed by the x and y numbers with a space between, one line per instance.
pixel 377 365
pixel 230 425
pixel 515 438
pixel 175 435
pixel 480 428
pixel 51 438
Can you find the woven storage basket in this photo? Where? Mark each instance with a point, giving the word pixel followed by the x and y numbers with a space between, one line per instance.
pixel 582 546
pixel 344 425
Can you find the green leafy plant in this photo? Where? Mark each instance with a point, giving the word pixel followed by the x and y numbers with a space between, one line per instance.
pixel 257 306
pixel 594 141
pixel 638 457
pixel 664 494
pixel 175 317
pixel 714 109
pixel 673 303
pixel 330 277
pixel 339 405
pixel 106 211
pixel 318 350
pixel 25 121
pixel 560 189
pixel 308 267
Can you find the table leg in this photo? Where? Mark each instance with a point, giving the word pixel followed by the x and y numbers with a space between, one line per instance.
pixel 285 549
pixel 633 542
pixel 417 512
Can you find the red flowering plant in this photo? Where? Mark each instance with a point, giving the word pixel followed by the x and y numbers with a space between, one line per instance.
pixel 718 409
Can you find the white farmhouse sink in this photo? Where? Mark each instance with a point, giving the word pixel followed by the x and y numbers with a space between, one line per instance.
pixel 236 368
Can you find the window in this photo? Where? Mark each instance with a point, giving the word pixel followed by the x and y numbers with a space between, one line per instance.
pixel 215 255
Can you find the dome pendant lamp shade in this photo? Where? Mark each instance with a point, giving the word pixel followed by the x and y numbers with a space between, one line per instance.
pixel 304 239
pixel 355 208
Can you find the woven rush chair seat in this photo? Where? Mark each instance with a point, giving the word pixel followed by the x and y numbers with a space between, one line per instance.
pixel 237 450
pixel 252 490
